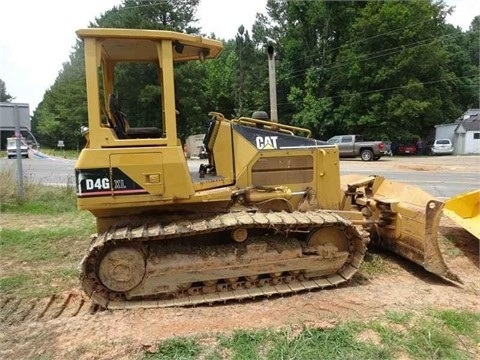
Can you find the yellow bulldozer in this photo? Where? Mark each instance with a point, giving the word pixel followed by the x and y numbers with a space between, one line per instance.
pixel 267 213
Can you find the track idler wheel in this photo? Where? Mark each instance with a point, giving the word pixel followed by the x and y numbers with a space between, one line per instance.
pixel 327 241
pixel 122 269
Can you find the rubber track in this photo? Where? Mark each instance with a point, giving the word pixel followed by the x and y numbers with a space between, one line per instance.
pixel 281 221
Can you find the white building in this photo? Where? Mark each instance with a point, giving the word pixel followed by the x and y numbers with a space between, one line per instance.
pixel 464 133
pixel 467 136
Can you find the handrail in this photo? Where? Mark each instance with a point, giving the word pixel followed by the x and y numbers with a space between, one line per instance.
pixel 273 126
pixel 217 115
pixel 289 129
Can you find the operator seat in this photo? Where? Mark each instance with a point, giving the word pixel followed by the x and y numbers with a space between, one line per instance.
pixel 116 118
pixel 209 134
pixel 208 142
pixel 118 121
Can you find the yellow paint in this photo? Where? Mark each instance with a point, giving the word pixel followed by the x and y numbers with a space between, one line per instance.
pixel 464 209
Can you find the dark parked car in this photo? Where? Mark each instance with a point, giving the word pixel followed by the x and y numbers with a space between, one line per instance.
pixel 406 149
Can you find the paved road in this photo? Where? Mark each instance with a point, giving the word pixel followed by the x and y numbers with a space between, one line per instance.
pixel 443 177
pixel 44 169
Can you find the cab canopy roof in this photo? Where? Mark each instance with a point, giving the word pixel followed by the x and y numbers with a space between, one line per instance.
pixel 140 45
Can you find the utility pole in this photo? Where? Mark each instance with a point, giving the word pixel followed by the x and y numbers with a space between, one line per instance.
pixel 18 136
pixel 273 84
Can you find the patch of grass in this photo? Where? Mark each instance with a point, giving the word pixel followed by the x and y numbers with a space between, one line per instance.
pixel 41 261
pixel 460 322
pixel 8 186
pixel 13 282
pixel 338 343
pixel 37 199
pixel 41 244
pixel 39 284
pixel 374 264
pixel 28 285
pixel 445 334
pixel 435 335
pixel 177 348
pixel 389 336
pixel 429 340
pixel 69 154
pixel 43 200
pixel 42 238
pixel 399 317
pixel 40 253
pixel 245 344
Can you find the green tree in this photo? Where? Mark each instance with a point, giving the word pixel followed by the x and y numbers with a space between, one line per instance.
pixel 4 95
pixel 178 15
pixel 63 109
pixel 472 44
pixel 464 66
pixel 251 75
pixel 220 81
pixel 385 69
pixel 394 71
pixel 307 36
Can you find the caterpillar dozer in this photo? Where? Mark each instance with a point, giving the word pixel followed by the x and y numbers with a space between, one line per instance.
pixel 267 213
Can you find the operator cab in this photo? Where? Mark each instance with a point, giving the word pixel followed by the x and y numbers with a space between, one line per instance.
pixel 116 118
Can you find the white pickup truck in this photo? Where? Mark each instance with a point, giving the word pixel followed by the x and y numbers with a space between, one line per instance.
pixel 12 148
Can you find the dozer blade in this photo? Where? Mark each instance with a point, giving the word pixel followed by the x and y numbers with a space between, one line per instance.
pixel 464 209
pixel 406 220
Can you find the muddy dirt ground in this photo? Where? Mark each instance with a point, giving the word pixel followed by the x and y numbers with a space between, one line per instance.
pixel 83 332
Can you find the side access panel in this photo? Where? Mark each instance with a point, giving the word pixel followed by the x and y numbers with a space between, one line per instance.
pixel 131 177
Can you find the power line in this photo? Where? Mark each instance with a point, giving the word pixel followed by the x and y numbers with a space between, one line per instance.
pixel 475 77
pixel 348 44
pixel 376 54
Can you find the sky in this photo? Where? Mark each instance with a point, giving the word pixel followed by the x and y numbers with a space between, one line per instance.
pixel 37 36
